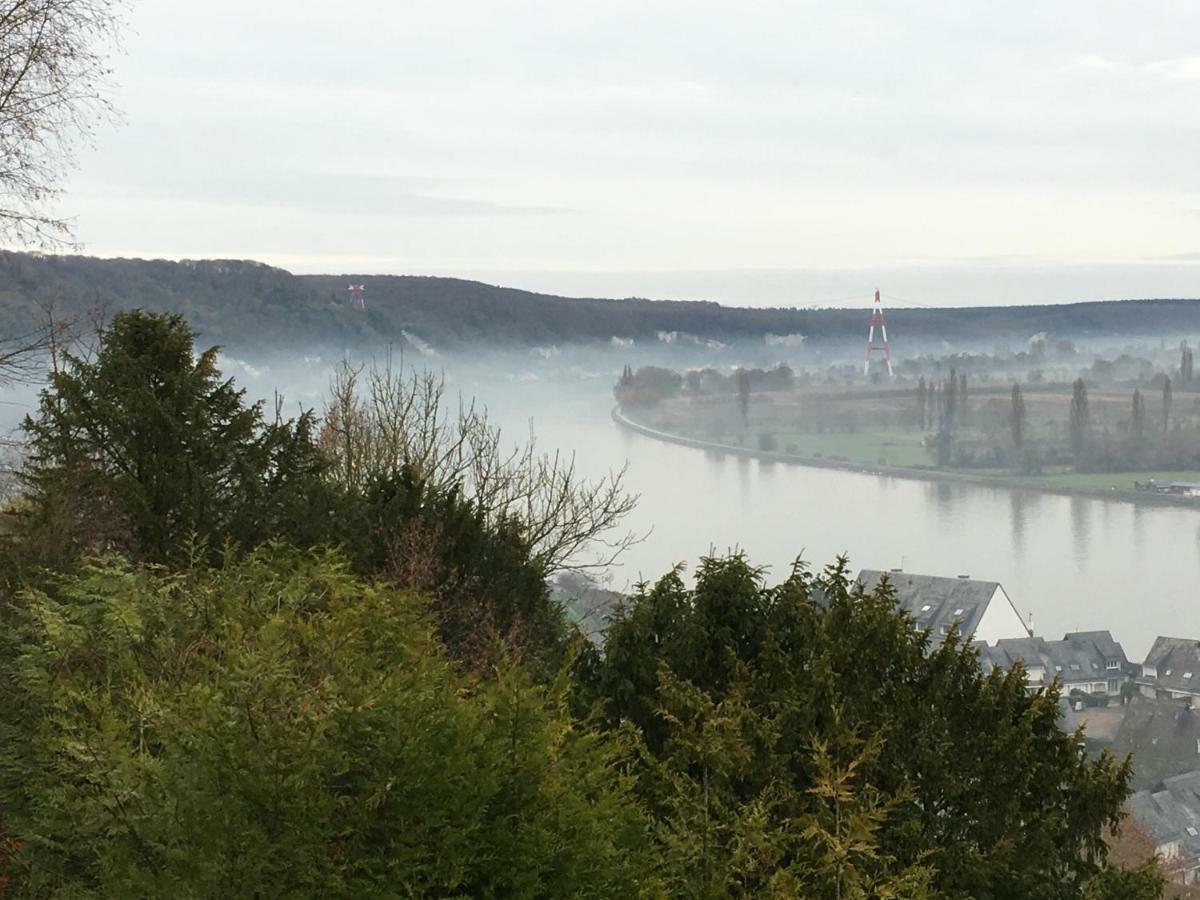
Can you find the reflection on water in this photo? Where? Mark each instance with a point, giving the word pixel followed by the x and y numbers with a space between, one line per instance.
pixel 1018 509
pixel 1073 562
pixel 1081 508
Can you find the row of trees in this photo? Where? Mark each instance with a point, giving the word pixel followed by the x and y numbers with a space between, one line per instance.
pixel 652 384
pixel 247 655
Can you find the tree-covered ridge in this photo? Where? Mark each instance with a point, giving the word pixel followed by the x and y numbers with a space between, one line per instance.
pixel 247 305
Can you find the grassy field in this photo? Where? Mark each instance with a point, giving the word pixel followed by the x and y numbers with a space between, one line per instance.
pixel 893 448
pixel 904 448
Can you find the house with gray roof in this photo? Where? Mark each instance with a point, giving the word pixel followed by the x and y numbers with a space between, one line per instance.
pixel 1171 814
pixel 1087 661
pixel 981 609
pixel 1171 670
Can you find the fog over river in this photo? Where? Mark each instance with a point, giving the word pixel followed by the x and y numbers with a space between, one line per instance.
pixel 1071 562
pixel 1074 563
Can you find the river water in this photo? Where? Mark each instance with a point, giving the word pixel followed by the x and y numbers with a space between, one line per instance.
pixel 1070 562
pixel 1073 563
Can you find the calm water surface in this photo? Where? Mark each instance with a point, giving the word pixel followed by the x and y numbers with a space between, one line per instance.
pixel 1071 562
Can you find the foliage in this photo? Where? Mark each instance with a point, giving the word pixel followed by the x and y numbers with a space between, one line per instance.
pixel 392 421
pixel 481 576
pixel 52 92
pixel 762 708
pixel 275 728
pixel 1017 417
pixel 146 448
pixel 1078 421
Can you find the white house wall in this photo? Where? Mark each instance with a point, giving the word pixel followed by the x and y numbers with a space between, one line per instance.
pixel 1000 620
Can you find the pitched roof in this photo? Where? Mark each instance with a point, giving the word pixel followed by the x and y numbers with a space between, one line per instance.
pixel 1171 812
pixel 1103 641
pixel 1177 661
pixel 934 601
pixel 1081 656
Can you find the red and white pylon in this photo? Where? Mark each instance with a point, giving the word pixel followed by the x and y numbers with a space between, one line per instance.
pixel 877 319
pixel 356 296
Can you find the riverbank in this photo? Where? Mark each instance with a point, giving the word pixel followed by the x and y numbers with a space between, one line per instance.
pixel 1008 482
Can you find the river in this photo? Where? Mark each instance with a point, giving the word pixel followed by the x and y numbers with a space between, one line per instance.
pixel 1073 563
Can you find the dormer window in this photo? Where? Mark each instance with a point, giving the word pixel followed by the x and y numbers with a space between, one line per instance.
pixel 1112 664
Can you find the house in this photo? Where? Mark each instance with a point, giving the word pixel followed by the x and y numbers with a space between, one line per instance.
pixel 981 609
pixel 1171 670
pixel 1171 814
pixel 1163 736
pixel 1090 662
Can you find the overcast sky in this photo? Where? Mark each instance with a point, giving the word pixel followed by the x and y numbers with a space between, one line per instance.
pixel 599 143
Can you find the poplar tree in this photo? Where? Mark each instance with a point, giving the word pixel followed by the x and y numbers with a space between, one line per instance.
pixel 1078 420
pixel 1017 416
pixel 1166 403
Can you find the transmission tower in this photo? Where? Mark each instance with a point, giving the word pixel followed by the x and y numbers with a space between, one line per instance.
pixel 877 319
pixel 356 296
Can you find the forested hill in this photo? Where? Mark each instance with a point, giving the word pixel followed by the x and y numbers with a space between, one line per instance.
pixel 248 304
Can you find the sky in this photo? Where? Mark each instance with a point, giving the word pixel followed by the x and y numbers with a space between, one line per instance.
pixel 764 153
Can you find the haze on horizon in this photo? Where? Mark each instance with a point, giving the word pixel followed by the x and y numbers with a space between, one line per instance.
pixel 785 154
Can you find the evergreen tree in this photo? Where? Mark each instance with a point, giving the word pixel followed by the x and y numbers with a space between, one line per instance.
pixel 805 735
pixel 274 728
pixel 147 447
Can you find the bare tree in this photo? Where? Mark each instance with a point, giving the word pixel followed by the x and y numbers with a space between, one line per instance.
pixel 379 420
pixel 53 92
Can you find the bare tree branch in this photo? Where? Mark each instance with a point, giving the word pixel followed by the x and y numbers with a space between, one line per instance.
pixel 54 82
pixel 380 419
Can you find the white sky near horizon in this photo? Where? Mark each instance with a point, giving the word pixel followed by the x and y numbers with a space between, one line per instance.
pixel 632 147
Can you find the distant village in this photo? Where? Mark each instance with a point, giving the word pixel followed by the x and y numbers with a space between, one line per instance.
pixel 1147 708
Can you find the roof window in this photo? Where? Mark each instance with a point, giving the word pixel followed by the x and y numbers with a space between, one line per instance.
pixel 926 608
pixel 959 611
pixel 1187 674
pixel 1191 829
pixel 1075 667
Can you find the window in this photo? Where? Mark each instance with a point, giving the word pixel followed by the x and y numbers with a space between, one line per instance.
pixel 1112 664
pixel 1075 667
pixel 945 629
pixel 1187 674
pixel 1168 672
pixel 958 612
pixel 1191 829
pixel 926 608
